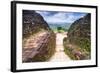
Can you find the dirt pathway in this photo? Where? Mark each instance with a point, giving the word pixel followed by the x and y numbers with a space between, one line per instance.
pixel 59 54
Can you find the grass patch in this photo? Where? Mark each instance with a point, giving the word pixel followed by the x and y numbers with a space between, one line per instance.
pixel 75 52
pixel 67 51
pixel 69 54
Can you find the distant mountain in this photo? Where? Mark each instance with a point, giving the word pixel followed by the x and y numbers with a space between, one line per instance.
pixel 33 22
pixel 63 25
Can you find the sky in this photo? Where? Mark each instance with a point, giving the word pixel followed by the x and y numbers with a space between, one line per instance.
pixel 60 17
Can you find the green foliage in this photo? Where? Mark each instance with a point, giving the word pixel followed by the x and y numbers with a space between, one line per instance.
pixel 84 43
pixel 82 46
pixel 61 29
pixel 67 51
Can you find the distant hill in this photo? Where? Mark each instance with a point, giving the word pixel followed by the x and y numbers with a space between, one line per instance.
pixel 79 36
pixel 54 26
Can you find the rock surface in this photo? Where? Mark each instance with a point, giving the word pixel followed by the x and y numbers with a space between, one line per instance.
pixel 81 28
pixel 33 22
pixel 78 42
pixel 80 32
pixel 38 39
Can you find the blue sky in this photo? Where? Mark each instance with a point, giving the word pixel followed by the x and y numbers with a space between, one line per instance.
pixel 60 17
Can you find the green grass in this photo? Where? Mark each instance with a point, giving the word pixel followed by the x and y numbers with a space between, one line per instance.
pixel 84 43
pixel 69 54
pixel 85 54
pixel 67 51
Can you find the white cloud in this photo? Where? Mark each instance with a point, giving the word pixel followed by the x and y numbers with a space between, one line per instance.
pixel 60 17
pixel 43 12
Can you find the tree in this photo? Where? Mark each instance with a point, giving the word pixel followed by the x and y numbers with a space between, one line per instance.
pixel 59 29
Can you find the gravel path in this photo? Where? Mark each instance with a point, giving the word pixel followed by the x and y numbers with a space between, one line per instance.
pixel 59 55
